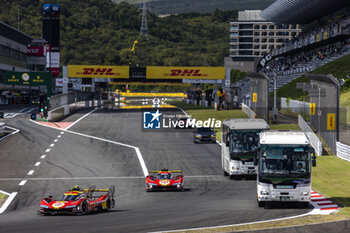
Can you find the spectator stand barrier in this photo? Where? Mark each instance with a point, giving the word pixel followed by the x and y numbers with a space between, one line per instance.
pixel 250 113
pixel 314 140
pixel 343 151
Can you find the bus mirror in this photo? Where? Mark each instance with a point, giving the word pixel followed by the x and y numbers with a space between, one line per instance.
pixel 227 142
pixel 313 156
pixel 314 160
pixel 256 157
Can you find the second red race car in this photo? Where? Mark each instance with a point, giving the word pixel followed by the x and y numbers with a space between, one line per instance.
pixel 79 201
pixel 165 180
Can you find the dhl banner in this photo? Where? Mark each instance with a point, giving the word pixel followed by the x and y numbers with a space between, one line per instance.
pixel 92 71
pixel 255 97
pixel 161 72
pixel 331 121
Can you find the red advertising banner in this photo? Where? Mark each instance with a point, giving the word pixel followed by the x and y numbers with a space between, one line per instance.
pixel 35 51
pixel 55 71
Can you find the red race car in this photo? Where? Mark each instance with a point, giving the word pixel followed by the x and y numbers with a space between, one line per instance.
pixel 165 180
pixel 79 201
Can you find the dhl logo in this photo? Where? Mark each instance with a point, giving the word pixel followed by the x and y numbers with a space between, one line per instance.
pixel 186 72
pixel 98 71
pixel 87 71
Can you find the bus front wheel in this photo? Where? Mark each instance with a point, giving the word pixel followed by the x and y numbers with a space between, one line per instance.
pixel 261 203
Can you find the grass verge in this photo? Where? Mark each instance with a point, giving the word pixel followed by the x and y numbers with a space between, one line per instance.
pixel 1 197
pixel 285 127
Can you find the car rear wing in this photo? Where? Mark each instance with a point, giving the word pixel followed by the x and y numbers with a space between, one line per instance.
pixel 171 171
pixel 92 189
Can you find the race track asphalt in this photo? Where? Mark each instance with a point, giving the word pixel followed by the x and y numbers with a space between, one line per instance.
pixel 210 198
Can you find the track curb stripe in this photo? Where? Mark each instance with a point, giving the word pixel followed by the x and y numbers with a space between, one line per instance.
pixel 7 202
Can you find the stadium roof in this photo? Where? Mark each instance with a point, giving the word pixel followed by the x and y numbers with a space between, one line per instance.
pixel 13 34
pixel 301 11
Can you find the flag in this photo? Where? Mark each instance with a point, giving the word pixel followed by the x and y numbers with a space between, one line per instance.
pixel 133 47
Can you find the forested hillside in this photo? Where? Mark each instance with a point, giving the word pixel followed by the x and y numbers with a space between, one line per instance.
pixel 103 32
pixel 201 6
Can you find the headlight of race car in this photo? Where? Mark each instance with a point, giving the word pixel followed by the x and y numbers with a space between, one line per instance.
pixel 198 136
pixel 304 193
pixel 213 135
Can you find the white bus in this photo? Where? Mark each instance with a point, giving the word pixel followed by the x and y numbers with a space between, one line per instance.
pixel 284 172
pixel 240 145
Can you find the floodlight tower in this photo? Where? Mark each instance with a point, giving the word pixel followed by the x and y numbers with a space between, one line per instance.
pixel 144 26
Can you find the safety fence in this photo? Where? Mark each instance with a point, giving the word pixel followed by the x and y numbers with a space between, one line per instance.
pixel 250 113
pixel 314 140
pixel 295 106
pixel 343 151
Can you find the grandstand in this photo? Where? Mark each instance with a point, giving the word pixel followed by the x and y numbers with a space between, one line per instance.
pixel 325 36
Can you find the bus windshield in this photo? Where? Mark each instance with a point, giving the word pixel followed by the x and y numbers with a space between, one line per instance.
pixel 244 144
pixel 286 161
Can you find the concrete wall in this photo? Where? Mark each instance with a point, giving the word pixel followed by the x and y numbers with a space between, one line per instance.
pixel 247 66
pixel 67 109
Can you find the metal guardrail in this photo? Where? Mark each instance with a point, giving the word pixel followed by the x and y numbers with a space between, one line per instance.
pixel 314 140
pixel 343 151
pixel 250 113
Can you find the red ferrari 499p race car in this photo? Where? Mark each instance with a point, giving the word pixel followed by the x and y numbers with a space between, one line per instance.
pixel 165 180
pixel 79 201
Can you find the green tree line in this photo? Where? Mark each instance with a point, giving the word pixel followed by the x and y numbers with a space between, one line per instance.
pixel 103 32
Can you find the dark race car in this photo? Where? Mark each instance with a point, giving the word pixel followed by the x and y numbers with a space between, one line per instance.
pixel 165 180
pixel 79 201
pixel 204 134
pixel 182 123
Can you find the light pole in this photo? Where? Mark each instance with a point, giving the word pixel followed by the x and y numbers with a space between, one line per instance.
pixel 275 109
pixel 273 75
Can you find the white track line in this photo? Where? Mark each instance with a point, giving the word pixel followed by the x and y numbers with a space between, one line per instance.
pixel 30 172
pixel 48 150
pixel 5 193
pixel 81 118
pixel 184 112
pixel 23 109
pixel 22 182
pixel 30 110
pixel 58 136
pixel 7 202
pixel 52 145
pixel 239 224
pixel 142 162
pixel 43 156
pixel 137 150
pixel 37 164
pixel 56 140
